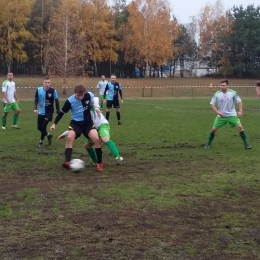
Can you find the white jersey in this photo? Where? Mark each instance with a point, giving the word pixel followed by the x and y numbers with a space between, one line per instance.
pixel 225 102
pixel 96 120
pixel 101 86
pixel 8 87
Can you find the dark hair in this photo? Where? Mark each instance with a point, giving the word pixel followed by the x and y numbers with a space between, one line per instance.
pixel 113 75
pixel 224 81
pixel 46 78
pixel 258 83
pixel 79 89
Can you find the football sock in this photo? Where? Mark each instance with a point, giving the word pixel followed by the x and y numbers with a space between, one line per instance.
pixel 118 116
pixel 107 116
pixel 243 136
pixel 112 147
pixel 42 136
pixel 3 120
pixel 92 154
pixel 99 155
pixel 68 153
pixel 15 118
pixel 210 138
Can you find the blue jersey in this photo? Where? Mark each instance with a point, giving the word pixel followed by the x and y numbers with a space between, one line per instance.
pixel 112 90
pixel 80 109
pixel 45 98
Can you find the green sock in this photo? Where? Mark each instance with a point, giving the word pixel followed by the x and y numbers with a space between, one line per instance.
pixel 112 147
pixel 92 154
pixel 243 136
pixel 15 119
pixel 3 120
pixel 210 138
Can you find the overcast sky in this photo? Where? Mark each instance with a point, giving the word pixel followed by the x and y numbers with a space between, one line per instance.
pixel 183 9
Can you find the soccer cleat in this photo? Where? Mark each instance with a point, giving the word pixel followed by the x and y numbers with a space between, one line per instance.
pixel 207 146
pixel 100 167
pixel 40 144
pixel 119 160
pixel 4 128
pixel 248 147
pixel 91 164
pixel 119 123
pixel 49 139
pixel 15 126
pixel 66 165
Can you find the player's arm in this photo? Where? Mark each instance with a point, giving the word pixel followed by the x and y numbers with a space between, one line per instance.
pixel 213 106
pixel 36 101
pixel 4 89
pixel 16 97
pixel 57 102
pixel 65 109
pixel 97 90
pixel 258 91
pixel 120 92
pixel 105 92
pixel 96 106
pixel 240 105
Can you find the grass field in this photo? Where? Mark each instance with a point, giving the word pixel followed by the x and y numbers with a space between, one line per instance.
pixel 170 199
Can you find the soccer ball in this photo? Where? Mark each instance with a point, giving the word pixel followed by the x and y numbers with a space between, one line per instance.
pixel 76 165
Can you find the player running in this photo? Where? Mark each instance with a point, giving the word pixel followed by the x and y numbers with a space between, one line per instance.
pixel 101 89
pixel 226 112
pixel 103 129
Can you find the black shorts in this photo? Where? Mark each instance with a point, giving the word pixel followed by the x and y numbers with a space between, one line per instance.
pixel 81 128
pixel 42 118
pixel 114 103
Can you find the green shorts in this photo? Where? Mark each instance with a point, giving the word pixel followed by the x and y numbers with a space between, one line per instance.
pixel 103 131
pixel 12 106
pixel 221 122
pixel 101 97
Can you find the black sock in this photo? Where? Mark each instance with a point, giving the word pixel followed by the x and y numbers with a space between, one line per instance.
pixel 99 154
pixel 107 116
pixel 42 136
pixel 118 116
pixel 68 152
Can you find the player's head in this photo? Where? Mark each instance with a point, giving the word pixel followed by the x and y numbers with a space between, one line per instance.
pixel 103 77
pixel 113 78
pixel 10 76
pixel 224 85
pixel 46 82
pixel 79 91
pixel 258 83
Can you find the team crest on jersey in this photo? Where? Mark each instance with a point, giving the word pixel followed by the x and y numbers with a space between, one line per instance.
pixel 49 95
pixel 86 102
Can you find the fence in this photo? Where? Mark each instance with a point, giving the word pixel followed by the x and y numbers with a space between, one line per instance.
pixel 28 93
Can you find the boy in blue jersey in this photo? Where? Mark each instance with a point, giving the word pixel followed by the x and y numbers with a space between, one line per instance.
pixel 111 94
pixel 45 97
pixel 81 123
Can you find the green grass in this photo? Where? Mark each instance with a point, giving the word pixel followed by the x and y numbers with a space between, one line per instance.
pixel 170 198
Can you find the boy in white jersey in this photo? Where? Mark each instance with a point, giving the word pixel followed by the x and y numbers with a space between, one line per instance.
pixel 101 89
pixel 103 129
pixel 226 112
pixel 10 101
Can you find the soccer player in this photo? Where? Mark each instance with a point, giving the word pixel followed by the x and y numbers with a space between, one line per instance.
pixel 101 89
pixel 81 123
pixel 103 129
pixel 258 88
pixel 10 101
pixel 45 97
pixel 113 88
pixel 226 112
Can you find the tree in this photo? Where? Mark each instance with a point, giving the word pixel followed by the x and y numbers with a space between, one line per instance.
pixel 14 15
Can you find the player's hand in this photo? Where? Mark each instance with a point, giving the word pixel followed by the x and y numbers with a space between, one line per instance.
pixel 53 127
pixel 8 102
pixel 122 101
pixel 35 111
pixel 239 114
pixel 220 114
pixel 60 137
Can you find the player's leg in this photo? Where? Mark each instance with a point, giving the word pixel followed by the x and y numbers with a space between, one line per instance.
pixel 109 106
pixel 40 121
pixel 93 135
pixel 118 115
pixel 16 109
pixel 234 121
pixel 104 133
pixel 101 99
pixel 7 109
pixel 91 152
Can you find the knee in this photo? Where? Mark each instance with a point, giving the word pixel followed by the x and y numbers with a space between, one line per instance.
pixel 17 112
pixel 88 145
pixel 213 130
pixel 240 128
pixel 105 139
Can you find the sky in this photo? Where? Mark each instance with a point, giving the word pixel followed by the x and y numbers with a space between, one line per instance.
pixel 183 9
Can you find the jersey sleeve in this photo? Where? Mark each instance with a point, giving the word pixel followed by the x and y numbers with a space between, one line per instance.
pixel 237 98
pixel 4 87
pixel 36 94
pixel 213 100
pixel 66 107
pixel 120 86
pixel 95 103
pixel 55 94
pixel 98 85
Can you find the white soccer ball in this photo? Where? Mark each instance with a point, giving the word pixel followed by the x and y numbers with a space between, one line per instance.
pixel 76 165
